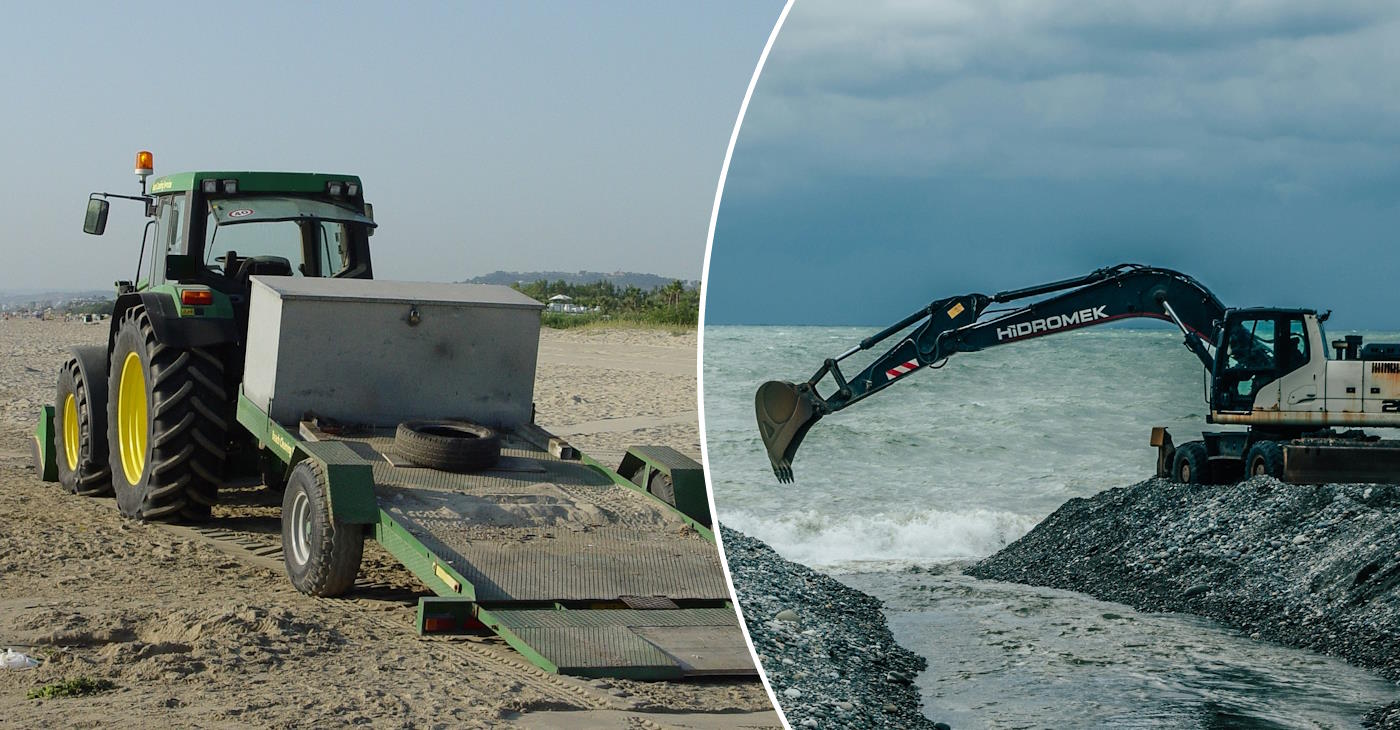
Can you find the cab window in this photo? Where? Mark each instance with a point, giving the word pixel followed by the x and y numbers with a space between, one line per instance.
pixel 169 233
pixel 1293 350
pixel 1251 344
pixel 278 243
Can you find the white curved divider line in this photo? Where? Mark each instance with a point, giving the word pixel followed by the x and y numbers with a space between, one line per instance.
pixel 700 359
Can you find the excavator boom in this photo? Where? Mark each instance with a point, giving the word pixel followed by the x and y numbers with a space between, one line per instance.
pixel 787 411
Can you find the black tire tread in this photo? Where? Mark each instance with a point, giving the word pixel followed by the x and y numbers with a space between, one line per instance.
pixel 336 549
pixel 1195 454
pixel 93 477
pixel 189 434
pixel 661 487
pixel 457 454
pixel 1272 454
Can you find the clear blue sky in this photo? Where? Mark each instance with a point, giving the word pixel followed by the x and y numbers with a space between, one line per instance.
pixel 898 152
pixel 490 136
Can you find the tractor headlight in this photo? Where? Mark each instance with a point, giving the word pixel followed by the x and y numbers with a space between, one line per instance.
pixel 210 187
pixel 230 187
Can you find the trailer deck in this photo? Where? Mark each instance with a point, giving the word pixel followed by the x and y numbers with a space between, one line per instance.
pixel 573 565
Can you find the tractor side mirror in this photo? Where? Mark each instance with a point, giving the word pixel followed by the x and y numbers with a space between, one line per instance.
pixel 96 220
pixel 369 213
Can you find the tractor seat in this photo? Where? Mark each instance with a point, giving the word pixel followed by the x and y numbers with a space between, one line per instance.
pixel 262 266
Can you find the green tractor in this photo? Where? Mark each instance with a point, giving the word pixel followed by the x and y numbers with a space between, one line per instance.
pixel 150 417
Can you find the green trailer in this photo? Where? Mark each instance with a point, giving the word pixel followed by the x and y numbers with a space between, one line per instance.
pixel 571 563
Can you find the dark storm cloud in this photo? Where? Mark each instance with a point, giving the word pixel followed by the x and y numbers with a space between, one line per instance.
pixel 908 150
pixel 1063 89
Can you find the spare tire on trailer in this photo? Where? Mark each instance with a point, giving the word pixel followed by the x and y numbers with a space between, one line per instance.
pixel 449 445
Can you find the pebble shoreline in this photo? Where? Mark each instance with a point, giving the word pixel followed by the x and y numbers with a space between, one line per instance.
pixel 826 647
pixel 1310 566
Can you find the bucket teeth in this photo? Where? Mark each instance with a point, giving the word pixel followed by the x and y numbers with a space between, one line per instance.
pixel 785 412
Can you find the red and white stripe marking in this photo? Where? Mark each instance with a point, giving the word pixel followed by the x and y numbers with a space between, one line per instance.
pixel 904 369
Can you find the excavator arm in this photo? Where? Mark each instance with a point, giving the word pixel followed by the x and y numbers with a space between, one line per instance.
pixel 786 411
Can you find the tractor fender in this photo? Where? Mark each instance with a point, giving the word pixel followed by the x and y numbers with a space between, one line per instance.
pixel 170 328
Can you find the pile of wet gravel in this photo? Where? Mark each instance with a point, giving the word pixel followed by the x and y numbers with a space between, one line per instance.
pixel 826 648
pixel 1316 567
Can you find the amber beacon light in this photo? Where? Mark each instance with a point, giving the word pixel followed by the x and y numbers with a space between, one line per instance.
pixel 145 163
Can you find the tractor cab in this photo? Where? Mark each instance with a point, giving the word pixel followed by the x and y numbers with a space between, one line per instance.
pixel 220 228
pixel 213 230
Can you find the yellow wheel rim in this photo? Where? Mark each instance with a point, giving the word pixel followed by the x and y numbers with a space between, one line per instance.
pixel 70 431
pixel 131 418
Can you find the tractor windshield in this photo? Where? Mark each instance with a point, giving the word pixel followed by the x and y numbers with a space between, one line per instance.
pixel 279 236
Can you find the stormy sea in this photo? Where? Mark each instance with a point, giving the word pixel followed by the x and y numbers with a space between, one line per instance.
pixel 901 493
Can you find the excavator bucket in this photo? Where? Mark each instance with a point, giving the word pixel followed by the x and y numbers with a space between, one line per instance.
pixel 785 412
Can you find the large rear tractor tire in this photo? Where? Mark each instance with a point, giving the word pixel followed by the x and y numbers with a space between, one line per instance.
pixel 80 438
pixel 322 554
pixel 1265 458
pixel 166 424
pixel 1192 464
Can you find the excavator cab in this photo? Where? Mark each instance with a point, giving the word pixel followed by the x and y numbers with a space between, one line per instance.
pixel 1257 347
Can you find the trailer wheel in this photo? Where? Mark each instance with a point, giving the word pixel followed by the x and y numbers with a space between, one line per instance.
pixel 448 445
pixel 1265 458
pixel 322 554
pixel 81 451
pixel 166 424
pixel 1191 463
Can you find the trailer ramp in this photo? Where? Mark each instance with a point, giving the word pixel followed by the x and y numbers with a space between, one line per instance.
pixel 582 574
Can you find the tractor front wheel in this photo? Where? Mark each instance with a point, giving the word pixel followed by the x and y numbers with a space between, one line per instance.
pixel 322 554
pixel 167 435
pixel 78 439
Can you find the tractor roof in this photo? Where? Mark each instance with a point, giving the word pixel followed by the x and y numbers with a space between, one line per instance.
pixel 252 182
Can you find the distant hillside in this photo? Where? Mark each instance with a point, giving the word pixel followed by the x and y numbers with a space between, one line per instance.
pixel 620 279
pixel 13 300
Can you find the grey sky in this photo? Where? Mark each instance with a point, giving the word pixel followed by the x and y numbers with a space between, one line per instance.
pixel 489 135
pixel 896 152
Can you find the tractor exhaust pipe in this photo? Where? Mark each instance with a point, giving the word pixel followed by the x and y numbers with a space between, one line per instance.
pixel 785 412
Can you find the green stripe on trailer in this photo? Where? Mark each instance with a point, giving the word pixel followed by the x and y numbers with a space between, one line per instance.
pixel 45 451
pixel 436 574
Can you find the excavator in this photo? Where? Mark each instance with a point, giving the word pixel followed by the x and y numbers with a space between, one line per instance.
pixel 1268 370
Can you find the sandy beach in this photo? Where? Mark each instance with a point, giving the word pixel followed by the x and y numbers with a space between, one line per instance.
pixel 193 635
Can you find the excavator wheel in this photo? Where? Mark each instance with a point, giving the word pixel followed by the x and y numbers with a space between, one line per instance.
pixel 1264 458
pixel 167 428
pixel 1192 464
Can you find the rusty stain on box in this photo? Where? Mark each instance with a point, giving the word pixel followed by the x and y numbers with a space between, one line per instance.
pixel 380 352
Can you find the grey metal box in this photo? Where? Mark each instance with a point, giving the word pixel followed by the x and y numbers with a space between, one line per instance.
pixel 349 349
